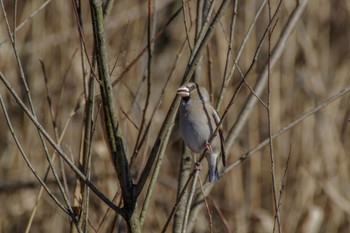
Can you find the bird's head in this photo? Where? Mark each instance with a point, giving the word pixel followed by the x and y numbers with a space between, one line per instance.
pixel 194 92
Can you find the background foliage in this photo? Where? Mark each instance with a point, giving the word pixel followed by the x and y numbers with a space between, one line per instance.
pixel 313 67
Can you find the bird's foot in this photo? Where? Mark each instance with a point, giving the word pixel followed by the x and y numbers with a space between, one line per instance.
pixel 197 166
pixel 207 146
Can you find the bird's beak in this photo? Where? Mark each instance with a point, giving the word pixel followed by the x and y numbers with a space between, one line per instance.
pixel 183 92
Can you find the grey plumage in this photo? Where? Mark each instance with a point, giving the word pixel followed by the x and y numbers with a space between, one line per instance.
pixel 198 121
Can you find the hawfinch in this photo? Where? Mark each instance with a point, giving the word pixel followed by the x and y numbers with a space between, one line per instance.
pixel 198 121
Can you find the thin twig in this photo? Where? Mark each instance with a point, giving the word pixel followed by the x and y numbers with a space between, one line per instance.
pixel 54 123
pixel 32 215
pixel 210 74
pixel 25 157
pixel 272 155
pixel 59 104
pixel 149 68
pixel 32 110
pixel 207 207
pixel 107 7
pixel 57 148
pixel 228 54
pixel 221 215
pixel 85 155
pixel 121 47
pixel 200 4
pixel 14 22
pixel 262 79
pixel 283 184
pixel 149 49
pixel 208 186
pixel 26 20
pixel 130 120
pixel 19 186
pixel 184 4
pixel 284 129
pixel 249 87
pixel 178 201
pixel 104 217
pixel 82 39
pixel 205 28
pixel 229 76
pixel 133 62
pixel 160 99
pixel 82 51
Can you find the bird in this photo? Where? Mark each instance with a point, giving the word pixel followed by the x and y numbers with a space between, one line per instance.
pixel 198 121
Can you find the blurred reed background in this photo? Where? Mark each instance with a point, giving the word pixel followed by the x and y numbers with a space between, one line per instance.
pixel 313 67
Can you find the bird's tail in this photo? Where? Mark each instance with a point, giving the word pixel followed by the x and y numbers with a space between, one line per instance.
pixel 213 172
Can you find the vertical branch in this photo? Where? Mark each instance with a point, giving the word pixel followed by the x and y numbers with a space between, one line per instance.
pixel 77 9
pixel 184 7
pixel 115 142
pixel 204 11
pixel 229 76
pixel 86 150
pixel 108 7
pixel 206 27
pixel 210 74
pixel 272 156
pixel 149 68
pixel 14 22
pixel 228 55
pixel 283 184
pixel 85 154
pixel 199 17
pixel 199 11
pixel 81 189
pixel 189 202
pixel 185 170
pixel 149 49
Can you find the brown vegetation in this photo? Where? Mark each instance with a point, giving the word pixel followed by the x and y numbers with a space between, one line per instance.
pixel 313 66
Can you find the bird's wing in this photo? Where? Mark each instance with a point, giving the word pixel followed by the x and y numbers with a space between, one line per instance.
pixel 222 139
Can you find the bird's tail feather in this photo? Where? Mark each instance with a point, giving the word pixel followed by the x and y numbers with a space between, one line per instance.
pixel 213 173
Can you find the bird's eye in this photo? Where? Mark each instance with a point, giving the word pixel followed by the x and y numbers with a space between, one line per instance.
pixel 192 87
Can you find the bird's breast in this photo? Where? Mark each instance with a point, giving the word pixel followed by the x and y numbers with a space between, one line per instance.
pixel 195 130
